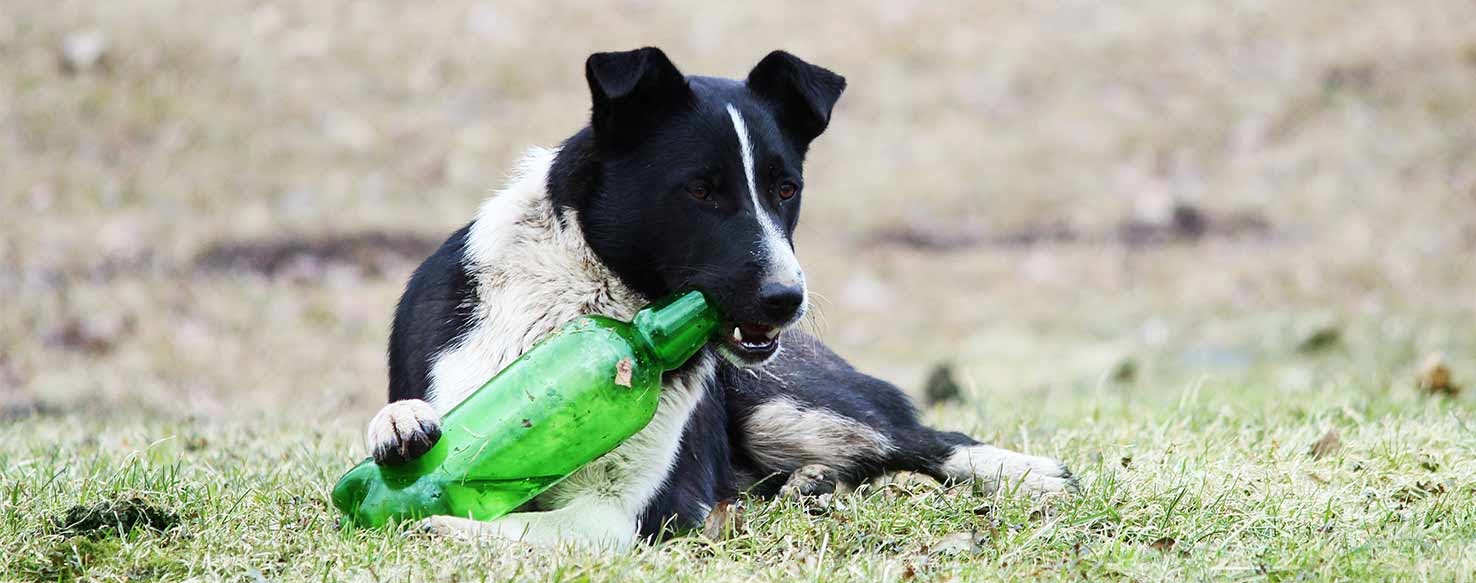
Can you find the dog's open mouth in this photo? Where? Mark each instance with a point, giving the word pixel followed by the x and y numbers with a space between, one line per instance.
pixel 751 343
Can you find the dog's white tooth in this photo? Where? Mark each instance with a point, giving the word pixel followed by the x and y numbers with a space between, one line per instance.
pixel 772 333
pixel 737 334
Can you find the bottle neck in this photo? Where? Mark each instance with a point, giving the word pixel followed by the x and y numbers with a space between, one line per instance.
pixel 676 328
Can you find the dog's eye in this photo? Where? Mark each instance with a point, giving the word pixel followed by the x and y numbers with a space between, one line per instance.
pixel 698 190
pixel 787 190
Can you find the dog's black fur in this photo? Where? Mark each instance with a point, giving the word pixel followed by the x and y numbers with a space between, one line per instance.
pixel 662 198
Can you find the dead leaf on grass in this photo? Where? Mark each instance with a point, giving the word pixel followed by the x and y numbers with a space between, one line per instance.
pixel 958 543
pixel 1330 443
pixel 1435 378
pixel 725 519
pixel 1419 491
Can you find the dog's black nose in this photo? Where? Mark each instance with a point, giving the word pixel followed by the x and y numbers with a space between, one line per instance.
pixel 780 302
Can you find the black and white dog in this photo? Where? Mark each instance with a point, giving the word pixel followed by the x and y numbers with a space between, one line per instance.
pixel 677 183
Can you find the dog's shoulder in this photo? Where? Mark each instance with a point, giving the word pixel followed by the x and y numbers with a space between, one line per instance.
pixel 431 313
pixel 528 270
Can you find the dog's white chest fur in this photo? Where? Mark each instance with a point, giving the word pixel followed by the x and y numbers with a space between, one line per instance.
pixel 532 274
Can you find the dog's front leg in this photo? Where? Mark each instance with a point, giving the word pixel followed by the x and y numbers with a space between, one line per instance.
pixel 586 524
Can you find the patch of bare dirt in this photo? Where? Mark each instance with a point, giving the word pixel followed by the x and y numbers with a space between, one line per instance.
pixel 115 518
pixel 91 336
pixel 370 253
pixel 1185 224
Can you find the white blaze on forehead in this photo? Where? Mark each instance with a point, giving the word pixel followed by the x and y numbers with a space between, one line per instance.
pixel 783 266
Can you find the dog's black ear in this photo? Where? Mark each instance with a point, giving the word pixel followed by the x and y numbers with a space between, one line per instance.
pixel 631 90
pixel 804 93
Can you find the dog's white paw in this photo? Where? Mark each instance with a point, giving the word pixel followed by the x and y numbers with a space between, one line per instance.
pixel 403 431
pixel 995 468
pixel 450 527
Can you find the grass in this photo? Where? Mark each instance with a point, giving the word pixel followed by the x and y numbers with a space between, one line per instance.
pixel 1217 482
pixel 971 203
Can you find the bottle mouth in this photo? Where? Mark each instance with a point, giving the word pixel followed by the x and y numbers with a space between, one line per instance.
pixel 676 327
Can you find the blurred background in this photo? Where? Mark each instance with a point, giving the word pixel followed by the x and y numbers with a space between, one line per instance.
pixel 208 209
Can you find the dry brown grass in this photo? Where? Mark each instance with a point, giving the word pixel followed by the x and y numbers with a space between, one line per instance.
pixel 1347 127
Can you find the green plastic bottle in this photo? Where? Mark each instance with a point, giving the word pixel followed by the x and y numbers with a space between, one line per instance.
pixel 570 399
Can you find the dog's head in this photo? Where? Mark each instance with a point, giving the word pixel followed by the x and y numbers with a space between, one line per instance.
pixel 696 183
